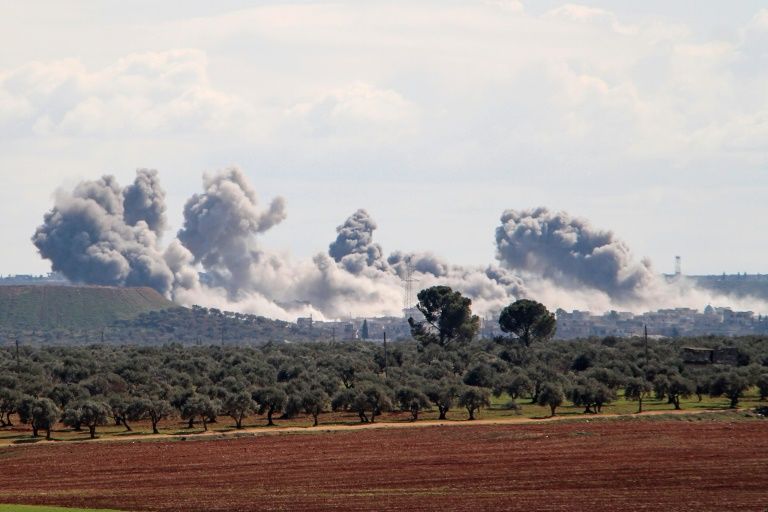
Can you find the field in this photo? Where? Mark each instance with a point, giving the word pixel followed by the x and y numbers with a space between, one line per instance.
pixel 43 508
pixel 46 307
pixel 694 463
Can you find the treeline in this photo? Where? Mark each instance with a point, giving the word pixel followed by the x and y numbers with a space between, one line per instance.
pixel 443 369
pixel 189 326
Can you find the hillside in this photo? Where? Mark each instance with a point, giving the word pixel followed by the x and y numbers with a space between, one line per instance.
pixel 46 307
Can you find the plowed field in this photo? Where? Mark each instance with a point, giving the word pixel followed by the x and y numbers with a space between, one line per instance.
pixel 600 465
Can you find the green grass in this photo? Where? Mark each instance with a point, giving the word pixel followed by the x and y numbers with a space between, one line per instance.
pixel 42 307
pixel 46 508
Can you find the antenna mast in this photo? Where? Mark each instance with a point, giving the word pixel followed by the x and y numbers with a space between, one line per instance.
pixel 408 281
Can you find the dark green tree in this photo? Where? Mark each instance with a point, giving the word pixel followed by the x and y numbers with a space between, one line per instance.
pixel 269 400
pixel 637 389
pixel 448 318
pixel 732 384
pixel 472 399
pixel 153 409
pixel 93 413
pixel 364 331
pixel 551 395
pixel 40 413
pixel 314 402
pixel 412 400
pixel 528 320
pixel 237 406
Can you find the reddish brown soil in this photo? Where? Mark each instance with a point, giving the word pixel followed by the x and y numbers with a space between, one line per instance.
pixel 603 465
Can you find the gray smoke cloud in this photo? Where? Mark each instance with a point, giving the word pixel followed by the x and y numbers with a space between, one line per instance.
pixel 144 200
pixel 220 226
pixel 100 233
pixel 353 248
pixel 571 252
pixel 87 239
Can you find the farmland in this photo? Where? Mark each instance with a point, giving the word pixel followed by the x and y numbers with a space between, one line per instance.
pixel 615 464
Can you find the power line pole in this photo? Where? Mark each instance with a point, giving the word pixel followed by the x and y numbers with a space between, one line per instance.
pixel 385 355
pixel 645 329
pixel 18 361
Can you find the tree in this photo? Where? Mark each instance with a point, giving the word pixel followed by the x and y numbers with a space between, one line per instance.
pixel 442 393
pixel 9 403
pixel 762 386
pixel 237 406
pixel 154 409
pixel 679 387
pixel 198 405
pixel 41 413
pixel 412 400
pixel 591 394
pixel 269 400
pixel 551 395
pixel 119 405
pixel 364 331
pixel 528 320
pixel 314 402
pixel 732 384
pixel 92 414
pixel 472 399
pixel 448 318
pixel 371 399
pixel 637 389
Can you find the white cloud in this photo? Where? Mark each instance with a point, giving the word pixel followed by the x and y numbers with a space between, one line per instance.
pixel 358 108
pixel 166 91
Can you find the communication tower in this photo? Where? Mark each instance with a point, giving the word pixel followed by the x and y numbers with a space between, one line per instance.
pixel 408 281
pixel 678 267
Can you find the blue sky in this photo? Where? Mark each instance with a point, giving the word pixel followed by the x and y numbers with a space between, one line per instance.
pixel 648 118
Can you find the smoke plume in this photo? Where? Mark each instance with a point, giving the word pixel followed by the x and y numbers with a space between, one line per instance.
pixel 220 228
pixel 88 239
pixel 144 200
pixel 100 233
pixel 571 252
pixel 353 248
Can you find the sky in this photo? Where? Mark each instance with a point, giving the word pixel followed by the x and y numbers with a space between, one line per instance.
pixel 650 118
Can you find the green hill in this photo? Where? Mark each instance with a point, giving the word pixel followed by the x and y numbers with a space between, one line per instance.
pixel 41 307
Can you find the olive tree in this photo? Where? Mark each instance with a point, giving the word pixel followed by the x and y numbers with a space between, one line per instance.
pixel 153 409
pixel 472 399
pixel 40 413
pixel 637 389
pixel 269 400
pixel 551 395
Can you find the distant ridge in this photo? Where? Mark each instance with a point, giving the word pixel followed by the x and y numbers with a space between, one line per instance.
pixel 52 306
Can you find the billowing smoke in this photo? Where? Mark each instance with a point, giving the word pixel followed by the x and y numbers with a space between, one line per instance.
pixel 87 238
pixel 353 248
pixel 144 200
pixel 101 233
pixel 569 251
pixel 220 228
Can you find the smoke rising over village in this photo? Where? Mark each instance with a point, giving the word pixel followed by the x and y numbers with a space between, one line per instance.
pixel 102 233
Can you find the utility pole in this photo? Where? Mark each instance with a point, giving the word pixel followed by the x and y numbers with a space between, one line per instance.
pixel 385 354
pixel 645 329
